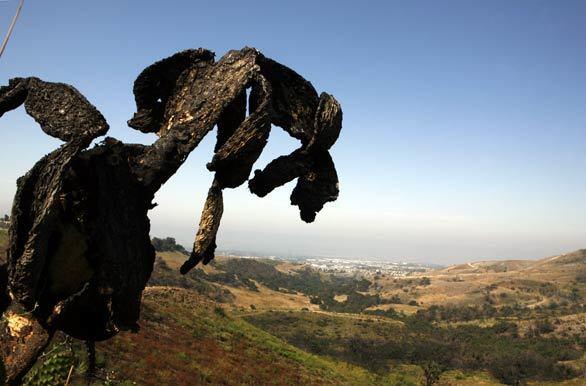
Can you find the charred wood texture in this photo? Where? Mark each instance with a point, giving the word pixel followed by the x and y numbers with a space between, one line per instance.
pixel 80 253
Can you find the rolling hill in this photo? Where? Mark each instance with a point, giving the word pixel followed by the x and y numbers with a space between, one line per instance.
pixel 186 339
pixel 258 321
pixel 552 281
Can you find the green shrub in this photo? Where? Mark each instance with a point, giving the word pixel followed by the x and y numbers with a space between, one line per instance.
pixel 220 311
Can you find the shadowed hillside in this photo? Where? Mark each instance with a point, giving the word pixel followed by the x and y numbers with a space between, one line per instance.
pixel 3 241
pixel 3 245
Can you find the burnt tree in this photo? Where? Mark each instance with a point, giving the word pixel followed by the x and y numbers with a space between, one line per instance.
pixel 80 254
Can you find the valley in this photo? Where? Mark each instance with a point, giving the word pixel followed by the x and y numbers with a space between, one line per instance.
pixel 269 321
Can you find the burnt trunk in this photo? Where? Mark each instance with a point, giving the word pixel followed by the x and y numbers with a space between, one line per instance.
pixel 80 252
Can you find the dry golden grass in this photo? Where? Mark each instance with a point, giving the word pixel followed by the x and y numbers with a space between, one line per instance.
pixel 458 378
pixel 289 268
pixel 267 299
pixel 509 281
pixel 404 308
pixel 341 298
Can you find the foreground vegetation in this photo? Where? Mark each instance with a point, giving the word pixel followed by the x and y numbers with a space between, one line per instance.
pixel 185 339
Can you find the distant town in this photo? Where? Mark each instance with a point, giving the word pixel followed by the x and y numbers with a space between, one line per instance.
pixel 333 265
pixel 366 267
pixel 346 266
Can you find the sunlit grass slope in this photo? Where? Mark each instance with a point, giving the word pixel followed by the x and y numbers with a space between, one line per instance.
pixel 185 339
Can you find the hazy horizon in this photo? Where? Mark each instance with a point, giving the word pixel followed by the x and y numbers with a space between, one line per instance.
pixel 463 134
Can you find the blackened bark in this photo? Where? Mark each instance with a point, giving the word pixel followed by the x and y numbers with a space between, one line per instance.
pixel 90 347
pixel 80 253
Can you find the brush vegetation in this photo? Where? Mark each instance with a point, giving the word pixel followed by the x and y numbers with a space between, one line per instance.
pixel 256 321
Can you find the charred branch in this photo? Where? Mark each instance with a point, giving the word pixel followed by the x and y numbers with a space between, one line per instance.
pixel 80 253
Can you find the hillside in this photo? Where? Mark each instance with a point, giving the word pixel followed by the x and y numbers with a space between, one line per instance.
pixel 258 321
pixel 186 339
pixel 557 282
pixel 3 239
pixel 3 243
pixel 576 258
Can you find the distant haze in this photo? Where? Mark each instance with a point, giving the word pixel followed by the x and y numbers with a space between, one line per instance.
pixel 464 122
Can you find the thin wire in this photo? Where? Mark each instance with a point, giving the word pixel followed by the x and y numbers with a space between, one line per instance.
pixel 11 27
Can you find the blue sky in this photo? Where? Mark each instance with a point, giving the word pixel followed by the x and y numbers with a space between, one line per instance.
pixel 464 122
